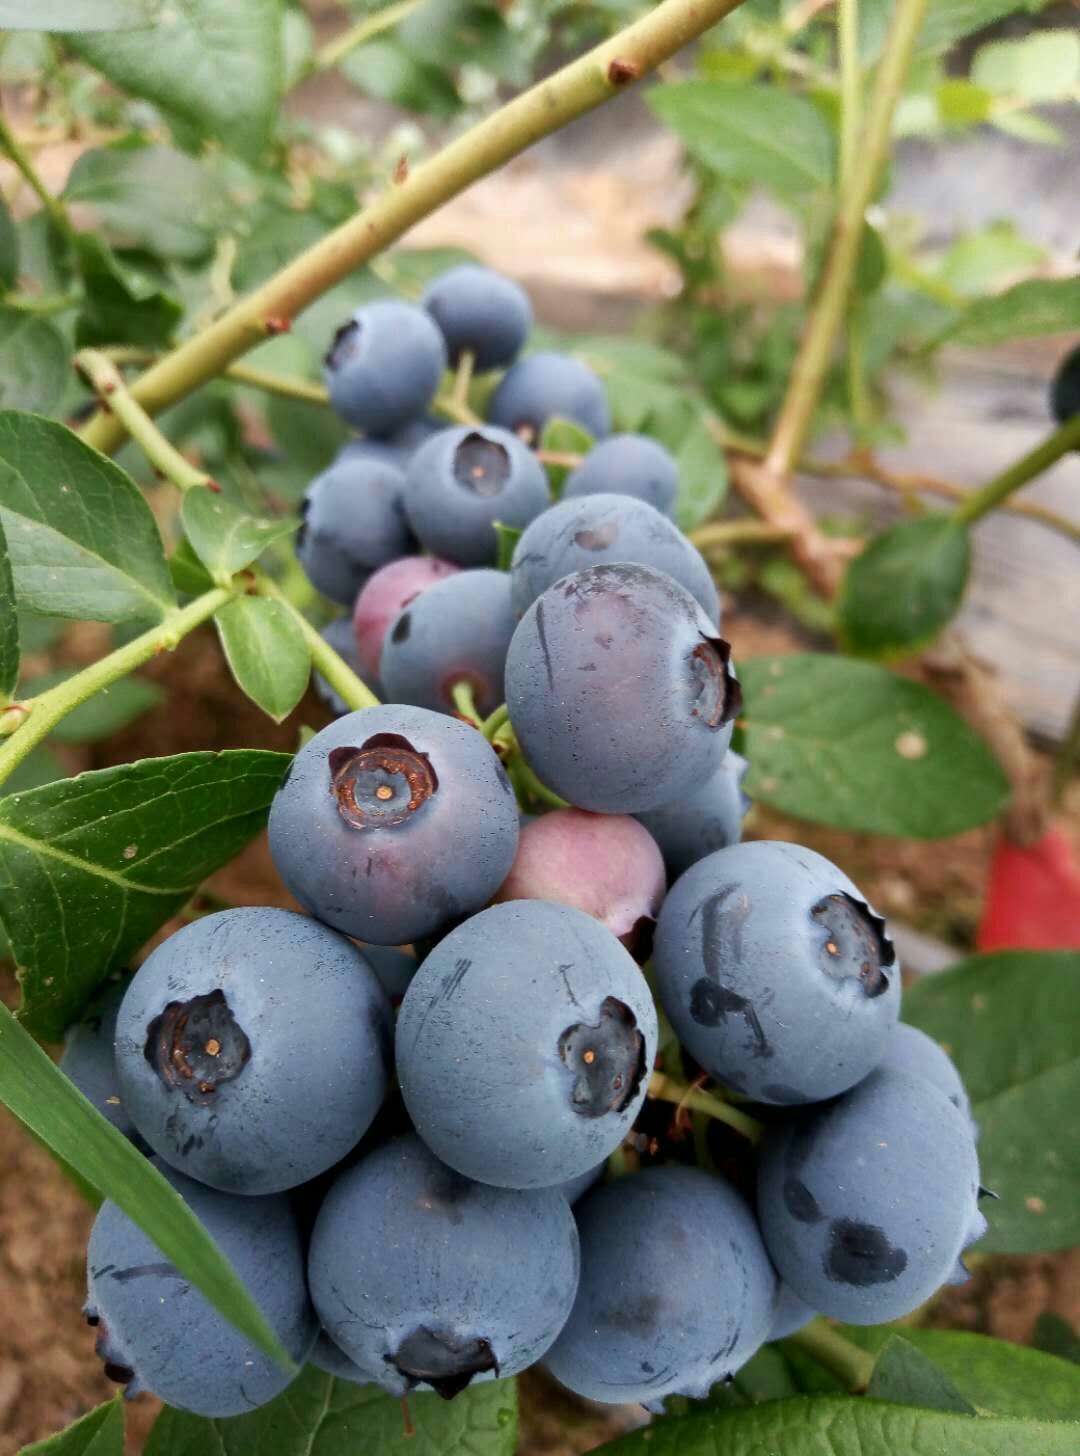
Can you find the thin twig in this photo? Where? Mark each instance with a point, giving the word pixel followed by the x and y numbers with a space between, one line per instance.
pixel 664 1089
pixel 337 49
pixel 56 210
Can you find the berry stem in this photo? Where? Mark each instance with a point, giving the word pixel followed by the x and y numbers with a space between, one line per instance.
pixel 58 215
pixel 288 386
pixel 980 502
pixel 464 701
pixel 665 1089
pixel 578 87
pixel 462 380
pixel 491 725
pixel 533 786
pixel 838 1354
pixel 335 51
pixel 730 533
pixel 448 405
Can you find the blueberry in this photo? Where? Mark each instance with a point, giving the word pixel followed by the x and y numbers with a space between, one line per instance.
pixel 604 864
pixel 676 1289
pixel 778 978
pixel 394 967
pixel 627 465
pixel 576 1188
pixel 619 690
pixel 911 1050
pixel 1065 389
pixel 480 311
pixel 394 822
pixel 790 1314
pixel 383 596
pixel 708 818
pixel 599 529
pixel 340 636
pixel 524 1045
pixel 867 1202
pixel 352 521
pixel 427 1280
pixel 541 387
pixel 384 366
pixel 458 630
pixel 253 1049
pixel 331 1361
pixel 157 1333
pixel 464 480
pixel 90 1061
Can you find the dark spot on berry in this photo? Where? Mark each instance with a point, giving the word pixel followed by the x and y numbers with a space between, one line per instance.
pixel 855 943
pixel 445 1362
pixel 714 689
pixel 382 783
pixel 606 1061
pixel 481 465
pixel 860 1254
pixel 196 1046
pixel 119 1374
pixel 402 628
pixel 597 539
pixel 344 346
pixel 800 1202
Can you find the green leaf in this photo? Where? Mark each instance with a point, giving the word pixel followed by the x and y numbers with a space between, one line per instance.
pixel 975 263
pixel 1038 306
pixel 750 133
pixel 100 1433
pixel 35 362
pixel 1040 67
pixel 961 104
pixel 384 69
pixel 48 1102
pixel 948 20
pixel 266 651
pixel 507 538
pixel 904 587
pixel 563 437
pixel 103 714
pixel 188 573
pixel 848 743
pixel 906 1375
pixel 1056 1336
pixel 9 625
pixel 76 14
pixel 92 866
pixel 225 538
pixel 831 1425
pixel 703 477
pixel 994 1376
pixel 9 248
pixel 83 540
pixel 122 304
pixel 1009 1021
pixel 216 65
pixel 328 1417
pixel 150 196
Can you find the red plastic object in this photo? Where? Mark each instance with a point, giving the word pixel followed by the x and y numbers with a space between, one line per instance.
pixel 1033 897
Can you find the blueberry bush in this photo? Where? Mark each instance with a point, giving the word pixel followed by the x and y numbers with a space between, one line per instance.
pixel 554 1069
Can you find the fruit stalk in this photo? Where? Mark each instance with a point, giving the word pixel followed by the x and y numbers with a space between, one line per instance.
pixel 980 502
pixel 829 1348
pixel 693 1099
pixel 579 87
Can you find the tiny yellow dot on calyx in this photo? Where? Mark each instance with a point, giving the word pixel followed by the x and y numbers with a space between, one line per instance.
pixel 213 1046
pixel 588 1058
pixel 384 793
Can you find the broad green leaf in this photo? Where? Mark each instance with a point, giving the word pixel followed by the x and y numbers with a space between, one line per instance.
pixel 83 540
pixel 122 304
pixel 904 587
pixel 9 626
pixel 35 362
pixel 906 1375
pixel 92 866
pixel 103 714
pixel 224 537
pixel 77 14
pixel 298 46
pixel 975 263
pixel 9 248
pixel 56 1112
pixel 188 573
pixel 1040 67
pixel 948 20
pixel 750 133
pixel 266 651
pixel 1057 1337
pixel 321 1416
pixel 703 477
pixel 150 196
pixel 848 743
pixel 995 1376
pixel 100 1433
pixel 464 32
pixel 384 69
pixel 830 1425
pixel 216 65
pixel 563 437
pixel 1009 1022
pixel 1038 306
pixel 507 538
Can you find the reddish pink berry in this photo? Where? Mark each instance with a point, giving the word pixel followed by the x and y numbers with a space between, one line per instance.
pixel 384 594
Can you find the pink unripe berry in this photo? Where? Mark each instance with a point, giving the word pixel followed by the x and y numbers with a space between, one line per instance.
pixel 608 865
pixel 384 594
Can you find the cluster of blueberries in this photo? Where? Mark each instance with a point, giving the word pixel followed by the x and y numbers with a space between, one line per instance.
pixel 426 1200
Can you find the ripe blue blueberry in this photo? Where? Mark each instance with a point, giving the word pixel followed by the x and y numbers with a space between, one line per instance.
pixel 708 818
pixel 777 976
pixel 602 528
pixel 428 1280
pixel 331 1361
pixel 791 1314
pixel 867 1202
pixel 464 480
pixel 619 689
pixel 911 1050
pixel 524 1045
pixel 482 312
pixel 340 636
pixel 253 1049
pixel 1065 389
pixel 394 967
pixel 541 387
pixel 394 822
pixel 352 521
pixel 458 630
pixel 90 1061
pixel 384 365
pixel 576 1188
pixel 676 1289
pixel 627 465
pixel 157 1333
